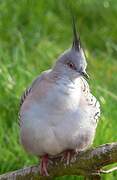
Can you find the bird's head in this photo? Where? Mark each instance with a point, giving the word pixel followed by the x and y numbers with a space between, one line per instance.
pixel 72 63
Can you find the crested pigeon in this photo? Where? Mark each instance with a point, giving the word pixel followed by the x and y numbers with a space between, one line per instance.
pixel 58 113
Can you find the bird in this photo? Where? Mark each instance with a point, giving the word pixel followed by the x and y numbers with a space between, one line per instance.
pixel 58 113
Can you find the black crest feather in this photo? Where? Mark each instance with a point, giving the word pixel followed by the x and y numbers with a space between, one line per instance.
pixel 76 39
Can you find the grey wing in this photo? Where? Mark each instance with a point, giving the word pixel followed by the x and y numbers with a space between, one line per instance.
pixel 22 99
pixel 29 89
pixel 95 106
pixel 91 102
pixel 25 94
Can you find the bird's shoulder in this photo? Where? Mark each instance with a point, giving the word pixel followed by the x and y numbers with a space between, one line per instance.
pixel 34 84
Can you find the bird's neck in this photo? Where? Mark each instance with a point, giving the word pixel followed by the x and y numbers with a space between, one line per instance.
pixel 62 78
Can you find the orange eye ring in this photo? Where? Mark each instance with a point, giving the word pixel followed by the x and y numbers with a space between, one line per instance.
pixel 71 65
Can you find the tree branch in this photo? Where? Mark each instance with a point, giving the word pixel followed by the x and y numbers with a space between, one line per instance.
pixel 87 163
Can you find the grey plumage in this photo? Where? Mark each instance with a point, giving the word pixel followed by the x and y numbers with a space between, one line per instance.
pixel 58 111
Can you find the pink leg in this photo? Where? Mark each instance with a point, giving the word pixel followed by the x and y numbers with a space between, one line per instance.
pixel 68 155
pixel 43 166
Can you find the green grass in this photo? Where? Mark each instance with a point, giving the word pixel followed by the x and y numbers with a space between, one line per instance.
pixel 32 34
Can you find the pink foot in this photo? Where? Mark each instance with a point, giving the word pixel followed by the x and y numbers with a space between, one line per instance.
pixel 43 165
pixel 68 155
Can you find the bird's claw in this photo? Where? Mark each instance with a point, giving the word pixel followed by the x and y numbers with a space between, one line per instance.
pixel 43 166
pixel 67 157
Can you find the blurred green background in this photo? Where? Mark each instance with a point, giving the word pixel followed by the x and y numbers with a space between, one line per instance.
pixel 32 35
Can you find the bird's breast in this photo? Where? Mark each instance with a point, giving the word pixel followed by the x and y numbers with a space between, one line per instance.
pixel 60 100
pixel 63 97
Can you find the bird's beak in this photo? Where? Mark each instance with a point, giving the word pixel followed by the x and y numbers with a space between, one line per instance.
pixel 84 74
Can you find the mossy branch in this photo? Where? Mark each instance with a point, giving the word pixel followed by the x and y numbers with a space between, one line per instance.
pixel 87 163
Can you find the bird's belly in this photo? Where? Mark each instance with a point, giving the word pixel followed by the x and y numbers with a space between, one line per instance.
pixel 53 131
pixel 56 123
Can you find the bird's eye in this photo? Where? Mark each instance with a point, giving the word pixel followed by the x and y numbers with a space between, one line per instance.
pixel 71 65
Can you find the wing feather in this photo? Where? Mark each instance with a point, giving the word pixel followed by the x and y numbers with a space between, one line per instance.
pixel 30 88
pixel 90 101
